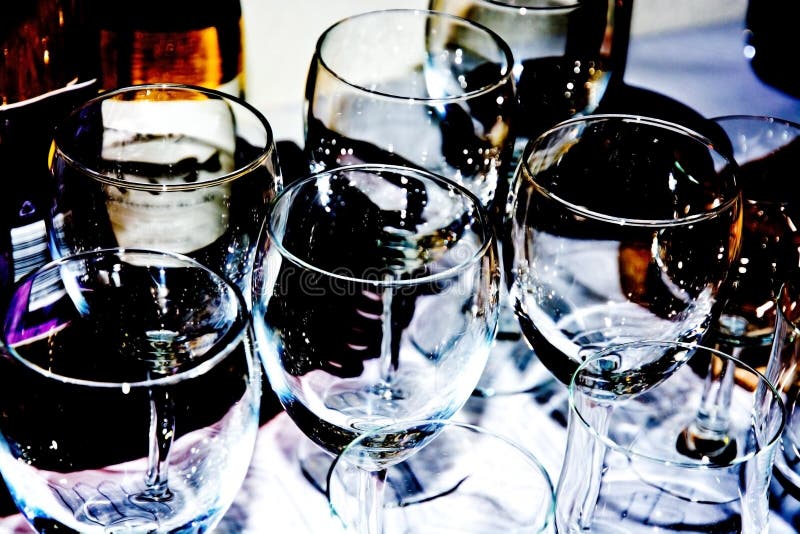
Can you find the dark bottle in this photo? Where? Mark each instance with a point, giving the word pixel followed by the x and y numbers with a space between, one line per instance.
pixel 48 65
pixel 771 34
pixel 194 42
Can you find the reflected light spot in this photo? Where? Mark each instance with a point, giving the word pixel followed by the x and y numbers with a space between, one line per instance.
pixel 764 308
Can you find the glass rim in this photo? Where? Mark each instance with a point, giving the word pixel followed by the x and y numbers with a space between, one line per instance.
pixel 629 453
pixel 766 144
pixel 218 352
pixel 757 119
pixel 507 72
pixel 264 155
pixel 450 423
pixel 480 252
pixel 524 167
pixel 535 5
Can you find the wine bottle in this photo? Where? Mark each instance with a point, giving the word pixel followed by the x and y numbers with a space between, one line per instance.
pixel 771 43
pixel 49 64
pixel 194 42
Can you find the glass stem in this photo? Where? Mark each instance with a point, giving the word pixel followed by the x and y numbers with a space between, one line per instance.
pixel 600 420
pixel 712 417
pixel 708 436
pixel 161 436
pixel 371 492
pixel 389 358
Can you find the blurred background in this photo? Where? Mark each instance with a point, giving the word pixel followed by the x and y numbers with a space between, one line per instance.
pixel 694 52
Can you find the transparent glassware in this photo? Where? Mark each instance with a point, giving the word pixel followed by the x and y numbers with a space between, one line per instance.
pixel 622 471
pixel 168 167
pixel 412 87
pixel 375 301
pixel 567 55
pixel 782 371
pixel 766 149
pixel 129 398
pixel 622 228
pixel 442 476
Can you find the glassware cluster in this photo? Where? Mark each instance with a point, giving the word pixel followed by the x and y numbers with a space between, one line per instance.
pixel 461 188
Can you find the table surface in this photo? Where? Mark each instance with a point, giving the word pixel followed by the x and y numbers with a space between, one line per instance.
pixel 702 67
pixel 275 494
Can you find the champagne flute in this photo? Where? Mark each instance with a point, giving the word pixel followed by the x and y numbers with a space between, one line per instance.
pixel 375 301
pixel 623 228
pixel 416 88
pixel 129 394
pixel 168 167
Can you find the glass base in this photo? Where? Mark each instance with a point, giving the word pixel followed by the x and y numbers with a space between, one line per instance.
pixel 787 467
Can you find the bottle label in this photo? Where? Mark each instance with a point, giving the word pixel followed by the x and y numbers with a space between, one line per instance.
pixel 30 252
pixel 181 221
pixel 29 244
pixel 169 209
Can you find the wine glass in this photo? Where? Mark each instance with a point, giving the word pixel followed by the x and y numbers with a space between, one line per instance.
pixel 375 302
pixel 622 471
pixel 764 149
pixel 168 167
pixel 416 88
pixel 623 228
pixel 129 394
pixel 567 53
pixel 442 476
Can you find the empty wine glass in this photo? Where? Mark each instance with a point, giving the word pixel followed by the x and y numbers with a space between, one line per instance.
pixel 129 394
pixel 167 167
pixel 622 471
pixel 567 53
pixel 765 148
pixel 442 476
pixel 623 228
pixel 375 301
pixel 416 88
